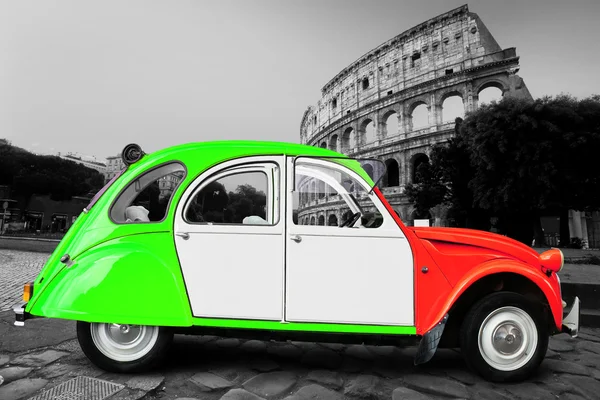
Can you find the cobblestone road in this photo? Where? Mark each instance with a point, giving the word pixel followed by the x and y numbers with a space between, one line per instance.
pixel 207 367
pixel 17 268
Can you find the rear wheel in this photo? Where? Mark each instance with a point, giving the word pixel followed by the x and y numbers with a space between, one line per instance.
pixel 504 337
pixel 123 348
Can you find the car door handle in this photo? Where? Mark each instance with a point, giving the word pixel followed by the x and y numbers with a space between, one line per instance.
pixel 296 238
pixel 184 235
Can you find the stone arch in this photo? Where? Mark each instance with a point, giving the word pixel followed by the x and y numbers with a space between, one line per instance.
pixel 333 143
pixel 491 83
pixel 323 145
pixel 392 176
pixel 348 139
pixel 332 220
pixel 451 106
pixel 418 115
pixel 415 161
pixel 492 90
pixel 313 191
pixel 321 220
pixel 321 189
pixel 313 220
pixel 390 122
pixel 367 132
pixel 368 169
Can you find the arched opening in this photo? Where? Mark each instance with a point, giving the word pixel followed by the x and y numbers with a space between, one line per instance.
pixel 367 132
pixel 489 94
pixel 452 108
pixel 313 191
pixel 347 139
pixel 391 124
pixel 365 83
pixel 321 220
pixel 321 189
pixel 312 221
pixel 420 117
pixel 332 221
pixel 369 170
pixel 418 160
pixel 323 145
pixel 392 176
pixel 333 143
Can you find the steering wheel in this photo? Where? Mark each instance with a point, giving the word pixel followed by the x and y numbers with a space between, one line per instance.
pixel 351 221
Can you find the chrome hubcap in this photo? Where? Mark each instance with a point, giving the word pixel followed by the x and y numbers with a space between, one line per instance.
pixel 124 342
pixel 508 338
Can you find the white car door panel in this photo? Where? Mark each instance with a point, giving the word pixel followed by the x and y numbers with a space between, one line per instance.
pixel 233 270
pixel 346 274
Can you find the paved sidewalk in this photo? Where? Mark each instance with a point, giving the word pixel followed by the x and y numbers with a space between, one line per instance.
pixel 17 268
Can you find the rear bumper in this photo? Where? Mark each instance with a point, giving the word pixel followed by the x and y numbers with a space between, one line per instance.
pixel 570 323
pixel 20 314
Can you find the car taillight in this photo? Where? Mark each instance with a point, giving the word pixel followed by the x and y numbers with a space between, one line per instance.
pixel 552 260
pixel 28 291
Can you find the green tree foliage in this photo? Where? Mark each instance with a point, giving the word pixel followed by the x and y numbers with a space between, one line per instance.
pixel 518 159
pixel 28 173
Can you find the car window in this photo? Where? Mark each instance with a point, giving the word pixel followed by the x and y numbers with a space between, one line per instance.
pixel 148 197
pixel 239 197
pixel 325 195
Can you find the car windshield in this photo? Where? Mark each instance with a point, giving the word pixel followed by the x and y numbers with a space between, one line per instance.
pixel 103 190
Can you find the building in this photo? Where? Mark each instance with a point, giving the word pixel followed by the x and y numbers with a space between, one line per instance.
pixel 89 162
pixel 114 164
pixel 403 96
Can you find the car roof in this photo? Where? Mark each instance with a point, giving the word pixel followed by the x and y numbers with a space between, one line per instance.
pixel 251 147
pixel 198 156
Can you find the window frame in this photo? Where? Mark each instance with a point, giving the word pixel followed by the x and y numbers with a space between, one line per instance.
pixel 134 180
pixel 272 172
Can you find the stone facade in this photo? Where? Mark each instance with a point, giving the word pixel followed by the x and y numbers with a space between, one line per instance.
pixel 114 164
pixel 369 109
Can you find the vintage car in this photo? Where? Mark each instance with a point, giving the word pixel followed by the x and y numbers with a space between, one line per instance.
pixel 288 242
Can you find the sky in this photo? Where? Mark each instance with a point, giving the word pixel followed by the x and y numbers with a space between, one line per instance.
pixel 92 76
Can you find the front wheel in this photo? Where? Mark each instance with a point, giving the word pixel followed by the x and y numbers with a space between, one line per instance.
pixel 123 348
pixel 504 337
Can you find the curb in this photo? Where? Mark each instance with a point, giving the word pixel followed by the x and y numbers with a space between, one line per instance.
pixel 29 239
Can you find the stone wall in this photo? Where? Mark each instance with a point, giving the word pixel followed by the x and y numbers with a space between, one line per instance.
pixel 369 109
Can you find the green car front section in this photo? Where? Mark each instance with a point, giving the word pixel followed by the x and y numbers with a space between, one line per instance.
pixel 108 272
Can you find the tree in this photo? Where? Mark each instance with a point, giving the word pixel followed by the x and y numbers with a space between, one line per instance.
pixel 429 188
pixel 28 173
pixel 519 159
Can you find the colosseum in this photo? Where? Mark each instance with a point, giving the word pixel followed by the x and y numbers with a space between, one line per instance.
pixel 402 97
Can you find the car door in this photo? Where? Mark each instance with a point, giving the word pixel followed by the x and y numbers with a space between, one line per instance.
pixel 229 239
pixel 359 274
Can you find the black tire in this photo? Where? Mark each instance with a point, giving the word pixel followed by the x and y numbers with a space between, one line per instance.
pixel 470 338
pixel 149 360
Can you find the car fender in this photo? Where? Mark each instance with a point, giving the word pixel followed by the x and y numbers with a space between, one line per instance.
pixel 549 286
pixel 134 279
